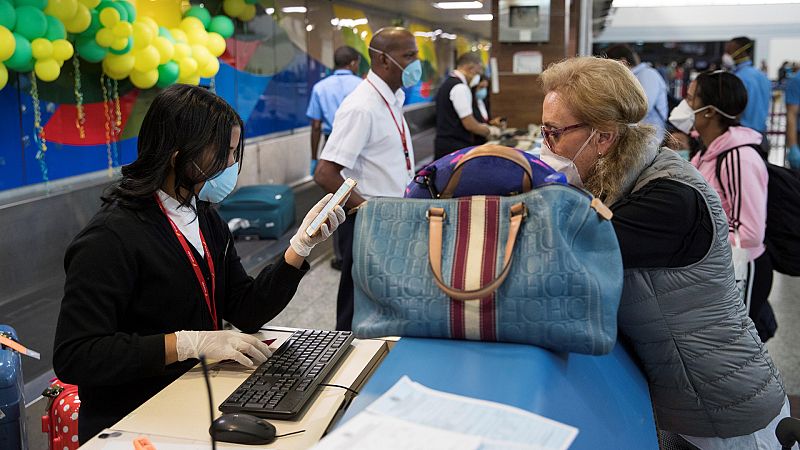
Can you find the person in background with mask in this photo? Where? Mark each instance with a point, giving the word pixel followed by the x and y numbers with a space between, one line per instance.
pixel 738 58
pixel 371 143
pixel 157 260
pixel 711 379
pixel 480 104
pixel 792 98
pixel 655 88
pixel 713 102
pixel 456 125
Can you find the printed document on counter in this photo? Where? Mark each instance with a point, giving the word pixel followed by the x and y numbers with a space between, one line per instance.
pixel 412 416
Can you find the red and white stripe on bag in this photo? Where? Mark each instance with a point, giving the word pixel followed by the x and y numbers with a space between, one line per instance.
pixel 475 266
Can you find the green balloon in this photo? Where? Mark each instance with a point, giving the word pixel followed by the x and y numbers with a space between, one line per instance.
pixel 31 22
pixel 22 54
pixel 55 29
pixel 94 26
pixel 222 25
pixel 8 15
pixel 89 49
pixel 129 9
pixel 163 32
pixel 38 4
pixel 201 13
pixel 167 74
pixel 124 50
pixel 123 12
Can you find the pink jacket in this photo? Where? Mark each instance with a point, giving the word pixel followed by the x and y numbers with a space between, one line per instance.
pixel 743 190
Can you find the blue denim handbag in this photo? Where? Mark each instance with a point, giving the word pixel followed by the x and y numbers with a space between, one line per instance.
pixel 541 268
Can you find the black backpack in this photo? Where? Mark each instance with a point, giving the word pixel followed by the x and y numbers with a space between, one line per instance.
pixel 782 237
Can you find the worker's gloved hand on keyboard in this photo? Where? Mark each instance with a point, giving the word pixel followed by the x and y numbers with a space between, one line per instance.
pixel 243 348
pixel 302 243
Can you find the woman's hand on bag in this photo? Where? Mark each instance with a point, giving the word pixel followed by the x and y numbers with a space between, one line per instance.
pixel 245 349
pixel 302 243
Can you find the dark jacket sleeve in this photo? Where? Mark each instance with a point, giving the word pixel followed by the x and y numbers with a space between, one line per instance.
pixel 89 349
pixel 250 303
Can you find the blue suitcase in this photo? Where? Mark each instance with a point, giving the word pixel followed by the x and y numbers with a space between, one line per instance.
pixel 268 208
pixel 12 402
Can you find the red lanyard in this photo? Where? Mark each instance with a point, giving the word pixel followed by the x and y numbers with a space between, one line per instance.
pixel 401 128
pixel 209 297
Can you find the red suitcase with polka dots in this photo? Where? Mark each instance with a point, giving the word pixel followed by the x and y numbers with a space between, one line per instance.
pixel 61 421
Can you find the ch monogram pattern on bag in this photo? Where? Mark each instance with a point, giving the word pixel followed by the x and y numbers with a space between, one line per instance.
pixel 562 293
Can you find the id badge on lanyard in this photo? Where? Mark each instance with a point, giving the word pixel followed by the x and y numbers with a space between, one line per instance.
pixel 401 128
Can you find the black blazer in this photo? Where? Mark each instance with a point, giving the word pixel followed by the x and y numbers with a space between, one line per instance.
pixel 128 283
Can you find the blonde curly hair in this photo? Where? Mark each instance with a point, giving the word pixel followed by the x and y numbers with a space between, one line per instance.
pixel 606 95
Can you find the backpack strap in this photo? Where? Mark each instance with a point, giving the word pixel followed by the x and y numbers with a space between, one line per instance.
pixel 733 221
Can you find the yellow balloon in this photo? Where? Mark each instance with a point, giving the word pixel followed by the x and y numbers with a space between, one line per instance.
pixel 62 9
pixel 123 29
pixel 248 13
pixel 146 59
pixel 3 76
pixel 191 23
pixel 201 55
pixel 216 44
pixel 142 35
pixel 144 80
pixel 233 7
pixel 105 37
pixel 62 50
pixel 120 44
pixel 42 49
pixel 47 69
pixel 120 64
pixel 7 44
pixel 198 37
pixel 182 51
pixel 167 13
pixel 80 21
pixel 187 67
pixel 149 22
pixel 91 4
pixel 165 49
pixel 178 35
pixel 210 69
pixel 109 17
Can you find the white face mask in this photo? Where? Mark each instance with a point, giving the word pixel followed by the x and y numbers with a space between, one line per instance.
pixel 474 81
pixel 682 116
pixel 728 61
pixel 563 164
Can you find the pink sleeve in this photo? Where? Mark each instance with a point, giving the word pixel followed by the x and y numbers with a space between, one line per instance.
pixel 743 179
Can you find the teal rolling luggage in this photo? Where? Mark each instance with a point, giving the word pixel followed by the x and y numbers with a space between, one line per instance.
pixel 12 403
pixel 269 210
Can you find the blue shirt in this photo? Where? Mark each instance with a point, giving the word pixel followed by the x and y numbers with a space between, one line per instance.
pixel 792 93
pixel 759 94
pixel 328 94
pixel 655 89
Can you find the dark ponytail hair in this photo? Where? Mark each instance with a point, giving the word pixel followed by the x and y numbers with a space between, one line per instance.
pixel 191 121
pixel 725 91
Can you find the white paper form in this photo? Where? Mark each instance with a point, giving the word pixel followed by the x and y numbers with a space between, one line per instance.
pixel 497 426
pixel 368 431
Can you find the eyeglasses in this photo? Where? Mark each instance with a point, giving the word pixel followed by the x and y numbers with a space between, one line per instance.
pixel 552 135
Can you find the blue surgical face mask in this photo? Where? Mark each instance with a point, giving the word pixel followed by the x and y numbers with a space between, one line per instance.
pixel 220 185
pixel 481 94
pixel 412 73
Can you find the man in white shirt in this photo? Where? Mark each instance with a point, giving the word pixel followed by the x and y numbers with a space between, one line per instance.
pixel 456 127
pixel 371 143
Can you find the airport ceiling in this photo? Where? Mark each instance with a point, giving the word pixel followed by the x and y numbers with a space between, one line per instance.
pixel 453 21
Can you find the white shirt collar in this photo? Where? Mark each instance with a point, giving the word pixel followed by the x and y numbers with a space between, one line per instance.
pixel 459 75
pixel 398 97
pixel 172 205
pixel 639 67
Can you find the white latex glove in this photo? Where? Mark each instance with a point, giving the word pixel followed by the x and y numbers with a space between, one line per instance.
pixel 494 132
pixel 221 345
pixel 302 243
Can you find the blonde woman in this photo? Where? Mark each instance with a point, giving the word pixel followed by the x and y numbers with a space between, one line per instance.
pixel 710 376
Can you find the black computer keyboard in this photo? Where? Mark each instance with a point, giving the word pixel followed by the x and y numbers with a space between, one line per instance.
pixel 280 388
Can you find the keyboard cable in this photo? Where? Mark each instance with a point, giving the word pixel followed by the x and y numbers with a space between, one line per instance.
pixel 353 391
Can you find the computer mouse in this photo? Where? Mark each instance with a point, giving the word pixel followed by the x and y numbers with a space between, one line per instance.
pixel 242 429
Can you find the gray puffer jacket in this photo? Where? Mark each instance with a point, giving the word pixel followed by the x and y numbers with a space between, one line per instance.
pixel 708 371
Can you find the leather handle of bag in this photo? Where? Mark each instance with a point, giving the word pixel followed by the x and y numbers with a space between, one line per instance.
pixel 498 151
pixel 436 218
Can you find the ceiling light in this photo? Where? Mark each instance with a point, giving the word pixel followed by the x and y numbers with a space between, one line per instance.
pixel 479 17
pixel 270 11
pixel 294 9
pixel 458 5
